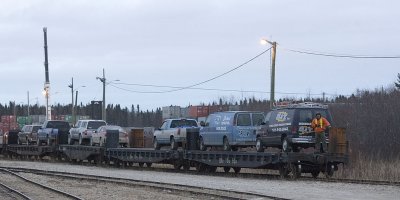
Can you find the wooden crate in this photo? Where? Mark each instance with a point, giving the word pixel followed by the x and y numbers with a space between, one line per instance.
pixel 337 141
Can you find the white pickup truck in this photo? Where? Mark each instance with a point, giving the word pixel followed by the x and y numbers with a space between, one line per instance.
pixel 172 132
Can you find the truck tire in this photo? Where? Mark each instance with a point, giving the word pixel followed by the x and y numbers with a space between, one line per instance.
pixel 286 145
pixel 80 139
pixel 226 145
pixel 201 145
pixel 155 144
pixel 259 145
pixel 174 145
pixel 70 141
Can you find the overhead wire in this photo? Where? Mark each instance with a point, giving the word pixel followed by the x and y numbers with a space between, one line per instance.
pixel 338 55
pixel 202 82
pixel 207 89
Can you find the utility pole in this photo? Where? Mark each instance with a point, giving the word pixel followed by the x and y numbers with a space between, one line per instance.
pixel 72 103
pixel 76 105
pixel 28 103
pixel 272 95
pixel 103 111
pixel 273 49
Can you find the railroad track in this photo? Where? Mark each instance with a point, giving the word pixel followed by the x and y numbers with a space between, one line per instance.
pixel 251 175
pixel 25 188
pixel 209 192
pixel 262 176
pixel 7 192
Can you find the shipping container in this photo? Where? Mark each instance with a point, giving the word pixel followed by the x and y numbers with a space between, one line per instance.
pixel 68 118
pixel 218 108
pixel 169 112
pixel 185 112
pixel 234 108
pixel 198 111
pixel 42 118
pixel 8 118
pixel 82 117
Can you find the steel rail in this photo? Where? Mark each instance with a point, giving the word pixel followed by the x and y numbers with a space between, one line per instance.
pixel 15 191
pixel 212 192
pixel 40 185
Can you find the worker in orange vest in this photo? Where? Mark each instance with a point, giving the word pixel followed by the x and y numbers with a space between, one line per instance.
pixel 320 125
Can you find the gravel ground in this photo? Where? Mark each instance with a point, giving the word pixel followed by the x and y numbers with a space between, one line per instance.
pixel 90 190
pixel 29 189
pixel 7 195
pixel 277 188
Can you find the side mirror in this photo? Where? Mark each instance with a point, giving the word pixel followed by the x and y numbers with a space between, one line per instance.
pixel 263 123
pixel 202 123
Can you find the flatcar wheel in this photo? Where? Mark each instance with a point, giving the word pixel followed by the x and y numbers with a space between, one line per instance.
pixel 141 164
pixel 237 170
pixel 148 164
pixel 227 169
pixel 211 169
pixel 177 166
pixel 186 166
pixel 315 173
pixel 200 167
pixel 329 172
pixel 283 171
pixel 295 171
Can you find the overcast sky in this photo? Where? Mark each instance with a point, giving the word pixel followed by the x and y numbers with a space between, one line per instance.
pixel 181 43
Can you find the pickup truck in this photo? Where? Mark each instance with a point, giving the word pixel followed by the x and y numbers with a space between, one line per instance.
pixel 83 129
pixel 49 131
pixel 172 132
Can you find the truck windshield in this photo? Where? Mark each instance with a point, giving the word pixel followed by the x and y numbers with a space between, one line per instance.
pixel 183 123
pixel 95 125
pixel 58 124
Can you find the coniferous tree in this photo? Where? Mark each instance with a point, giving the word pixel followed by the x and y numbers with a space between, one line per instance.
pixel 397 84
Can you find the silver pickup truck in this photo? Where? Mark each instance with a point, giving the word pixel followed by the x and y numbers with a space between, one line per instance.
pixel 83 130
pixel 172 132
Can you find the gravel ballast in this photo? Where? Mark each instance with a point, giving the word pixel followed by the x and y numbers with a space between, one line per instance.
pixel 277 188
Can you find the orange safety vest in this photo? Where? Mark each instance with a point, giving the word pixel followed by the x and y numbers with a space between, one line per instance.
pixel 320 125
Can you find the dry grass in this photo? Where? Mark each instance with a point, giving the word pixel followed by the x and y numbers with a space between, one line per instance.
pixel 371 168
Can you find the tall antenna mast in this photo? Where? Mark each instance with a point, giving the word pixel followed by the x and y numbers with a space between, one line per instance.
pixel 47 82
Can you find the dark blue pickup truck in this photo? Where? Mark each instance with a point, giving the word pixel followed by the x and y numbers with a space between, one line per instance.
pixel 50 130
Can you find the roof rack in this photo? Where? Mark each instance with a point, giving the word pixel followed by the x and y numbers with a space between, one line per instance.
pixel 300 105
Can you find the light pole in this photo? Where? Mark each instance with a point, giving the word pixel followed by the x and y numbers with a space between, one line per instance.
pixel 272 94
pixel 104 81
pixel 72 94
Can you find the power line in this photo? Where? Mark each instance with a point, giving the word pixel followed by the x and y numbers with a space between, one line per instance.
pixel 340 55
pixel 206 89
pixel 215 77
